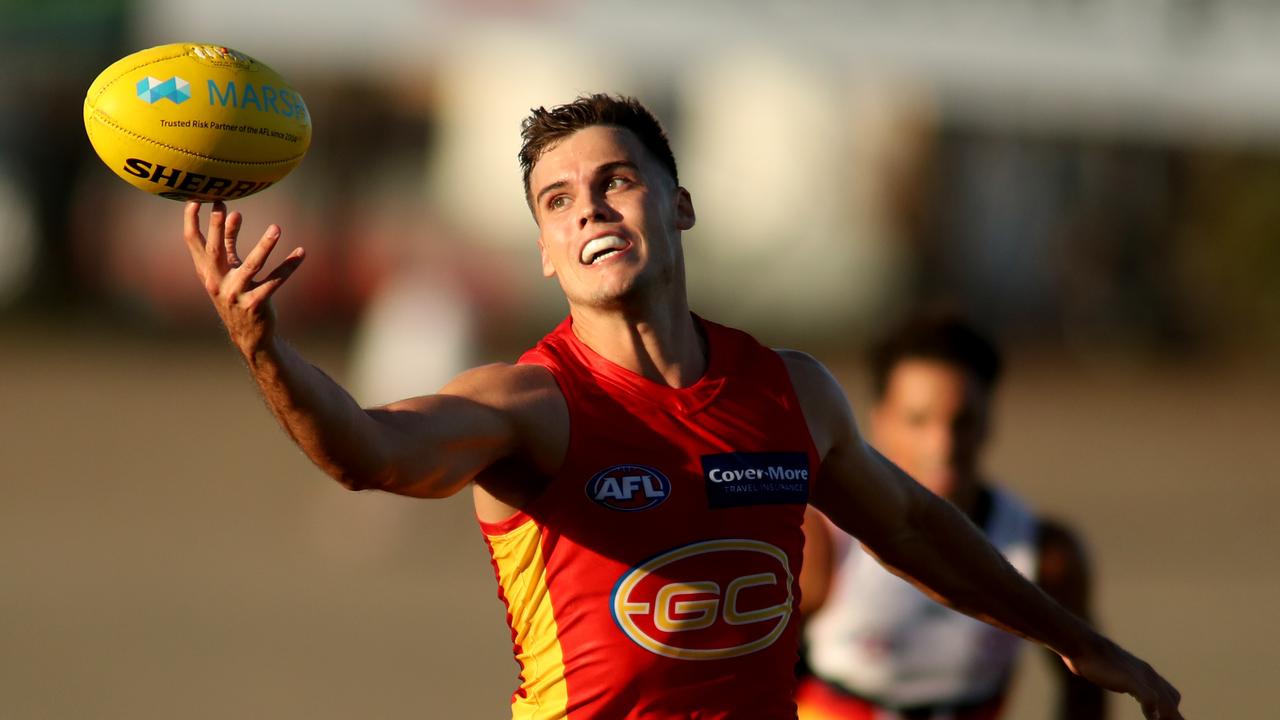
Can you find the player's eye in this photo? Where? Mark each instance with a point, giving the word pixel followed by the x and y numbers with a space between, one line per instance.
pixel 558 202
pixel 616 182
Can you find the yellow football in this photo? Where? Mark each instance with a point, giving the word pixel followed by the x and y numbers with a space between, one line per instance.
pixel 196 122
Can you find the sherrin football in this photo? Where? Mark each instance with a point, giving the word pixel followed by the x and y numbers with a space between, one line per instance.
pixel 196 122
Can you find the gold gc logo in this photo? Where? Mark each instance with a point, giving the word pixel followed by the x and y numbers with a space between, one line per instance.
pixel 709 600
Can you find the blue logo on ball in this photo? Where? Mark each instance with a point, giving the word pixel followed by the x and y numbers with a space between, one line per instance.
pixel 175 90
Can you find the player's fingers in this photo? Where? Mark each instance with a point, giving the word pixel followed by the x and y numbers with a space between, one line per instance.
pixel 1172 699
pixel 276 278
pixel 206 269
pixel 214 242
pixel 1163 702
pixel 230 235
pixel 257 257
pixel 191 230
pixel 1166 698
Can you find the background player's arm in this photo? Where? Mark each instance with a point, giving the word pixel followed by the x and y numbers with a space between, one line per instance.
pixel 427 446
pixel 930 543
pixel 1064 574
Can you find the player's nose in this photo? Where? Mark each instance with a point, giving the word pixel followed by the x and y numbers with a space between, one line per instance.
pixel 594 209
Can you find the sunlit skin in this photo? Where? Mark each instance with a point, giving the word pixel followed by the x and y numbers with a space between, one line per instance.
pixel 932 422
pixel 631 304
pixel 598 181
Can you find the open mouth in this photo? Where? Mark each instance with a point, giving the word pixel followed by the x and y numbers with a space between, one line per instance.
pixel 602 247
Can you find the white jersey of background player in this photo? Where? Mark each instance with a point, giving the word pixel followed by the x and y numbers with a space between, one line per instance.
pixel 877 647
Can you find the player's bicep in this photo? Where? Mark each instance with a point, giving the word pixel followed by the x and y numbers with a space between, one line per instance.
pixel 865 494
pixel 434 445
pixel 857 488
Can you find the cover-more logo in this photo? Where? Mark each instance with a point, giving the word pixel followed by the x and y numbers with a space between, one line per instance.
pixel 175 90
pixel 710 600
pixel 629 487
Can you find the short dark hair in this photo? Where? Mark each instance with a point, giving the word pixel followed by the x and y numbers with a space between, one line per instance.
pixel 544 128
pixel 943 336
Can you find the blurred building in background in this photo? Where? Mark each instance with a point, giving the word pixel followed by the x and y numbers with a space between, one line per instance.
pixel 1091 174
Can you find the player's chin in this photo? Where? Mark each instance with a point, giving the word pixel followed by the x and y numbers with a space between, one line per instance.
pixel 615 294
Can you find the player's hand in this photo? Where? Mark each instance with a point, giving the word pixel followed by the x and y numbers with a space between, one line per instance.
pixel 1113 668
pixel 242 301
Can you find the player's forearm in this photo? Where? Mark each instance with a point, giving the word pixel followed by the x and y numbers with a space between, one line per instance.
pixel 950 558
pixel 321 417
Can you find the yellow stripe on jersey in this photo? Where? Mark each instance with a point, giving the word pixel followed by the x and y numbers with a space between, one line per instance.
pixel 522 576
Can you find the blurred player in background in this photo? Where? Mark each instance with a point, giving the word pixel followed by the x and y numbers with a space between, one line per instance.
pixel 641 475
pixel 876 646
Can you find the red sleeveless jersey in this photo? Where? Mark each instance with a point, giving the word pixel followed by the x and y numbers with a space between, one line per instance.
pixel 657 575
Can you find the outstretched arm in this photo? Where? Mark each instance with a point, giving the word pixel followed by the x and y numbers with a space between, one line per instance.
pixel 427 446
pixel 928 542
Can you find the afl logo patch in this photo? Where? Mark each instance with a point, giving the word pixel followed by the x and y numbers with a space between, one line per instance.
pixel 629 488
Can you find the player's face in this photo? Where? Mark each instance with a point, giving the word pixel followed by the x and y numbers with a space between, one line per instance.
pixel 932 423
pixel 609 218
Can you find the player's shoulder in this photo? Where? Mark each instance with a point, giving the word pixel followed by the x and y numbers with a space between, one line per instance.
pixel 814 383
pixel 821 397
pixel 506 386
pixel 806 369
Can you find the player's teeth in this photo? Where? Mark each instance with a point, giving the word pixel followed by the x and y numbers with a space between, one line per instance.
pixel 600 247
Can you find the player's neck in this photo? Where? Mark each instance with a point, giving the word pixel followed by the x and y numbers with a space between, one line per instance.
pixel 662 343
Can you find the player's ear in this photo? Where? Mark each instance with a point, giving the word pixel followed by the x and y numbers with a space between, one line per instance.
pixel 685 217
pixel 548 270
